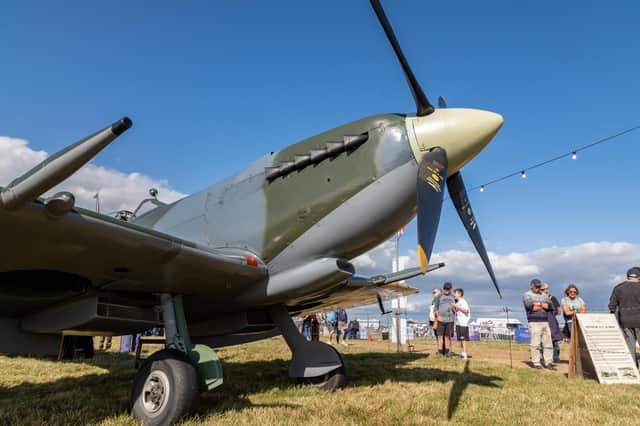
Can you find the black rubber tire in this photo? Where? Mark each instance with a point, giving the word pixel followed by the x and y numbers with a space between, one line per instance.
pixel 183 392
pixel 329 382
pixel 333 380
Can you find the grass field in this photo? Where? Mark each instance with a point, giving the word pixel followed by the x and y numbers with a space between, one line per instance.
pixel 384 388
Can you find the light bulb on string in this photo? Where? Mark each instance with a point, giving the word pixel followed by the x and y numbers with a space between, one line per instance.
pixel 574 155
pixel 523 174
pixel 481 188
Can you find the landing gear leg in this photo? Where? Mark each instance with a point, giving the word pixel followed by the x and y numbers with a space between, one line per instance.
pixel 167 386
pixel 314 363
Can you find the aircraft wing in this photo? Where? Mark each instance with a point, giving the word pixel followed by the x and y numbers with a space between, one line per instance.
pixel 347 298
pixel 115 255
pixel 362 291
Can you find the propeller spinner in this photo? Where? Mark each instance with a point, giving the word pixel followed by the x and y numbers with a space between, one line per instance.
pixel 466 133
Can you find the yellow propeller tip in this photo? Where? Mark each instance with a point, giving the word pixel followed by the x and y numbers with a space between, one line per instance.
pixel 422 258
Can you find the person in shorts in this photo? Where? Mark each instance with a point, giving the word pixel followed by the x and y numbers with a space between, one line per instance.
pixel 463 314
pixel 433 326
pixel 445 317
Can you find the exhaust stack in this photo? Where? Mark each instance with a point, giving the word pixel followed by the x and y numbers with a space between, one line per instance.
pixel 59 166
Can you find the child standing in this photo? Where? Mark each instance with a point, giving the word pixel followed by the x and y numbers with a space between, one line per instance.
pixel 463 314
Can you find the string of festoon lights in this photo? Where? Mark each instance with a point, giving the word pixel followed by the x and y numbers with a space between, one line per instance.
pixel 573 154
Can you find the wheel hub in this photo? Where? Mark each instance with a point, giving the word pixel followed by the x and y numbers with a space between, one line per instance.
pixel 155 392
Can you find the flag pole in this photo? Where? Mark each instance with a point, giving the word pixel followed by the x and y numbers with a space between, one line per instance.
pixel 397 313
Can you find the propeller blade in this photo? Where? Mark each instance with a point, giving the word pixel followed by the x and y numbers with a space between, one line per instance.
pixel 460 199
pixel 442 103
pixel 429 192
pixel 423 106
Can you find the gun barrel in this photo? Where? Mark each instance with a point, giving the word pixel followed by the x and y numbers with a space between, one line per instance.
pixel 59 166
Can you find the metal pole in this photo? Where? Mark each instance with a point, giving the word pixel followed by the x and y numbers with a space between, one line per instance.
pixel 397 314
pixel 506 309
pixel 97 197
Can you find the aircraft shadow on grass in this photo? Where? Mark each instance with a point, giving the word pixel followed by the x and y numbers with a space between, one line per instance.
pixel 363 369
pixel 99 396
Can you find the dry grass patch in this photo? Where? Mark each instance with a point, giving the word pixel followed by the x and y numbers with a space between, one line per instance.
pixel 384 388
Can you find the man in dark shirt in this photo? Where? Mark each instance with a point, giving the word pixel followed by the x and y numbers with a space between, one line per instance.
pixel 445 316
pixel 625 303
pixel 554 327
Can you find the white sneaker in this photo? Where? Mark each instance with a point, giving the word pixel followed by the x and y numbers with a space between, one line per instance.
pixel 463 356
pixel 343 343
pixel 329 342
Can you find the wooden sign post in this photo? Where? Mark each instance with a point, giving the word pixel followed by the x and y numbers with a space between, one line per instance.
pixel 599 350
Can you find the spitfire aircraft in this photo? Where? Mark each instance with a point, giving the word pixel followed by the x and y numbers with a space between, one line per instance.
pixel 232 263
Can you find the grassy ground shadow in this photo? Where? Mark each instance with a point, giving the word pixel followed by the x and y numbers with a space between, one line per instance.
pixel 91 398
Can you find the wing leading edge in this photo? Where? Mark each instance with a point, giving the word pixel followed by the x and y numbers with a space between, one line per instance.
pixel 116 255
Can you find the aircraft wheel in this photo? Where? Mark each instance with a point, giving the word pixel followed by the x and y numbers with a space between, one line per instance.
pixel 331 381
pixel 165 388
pixel 335 379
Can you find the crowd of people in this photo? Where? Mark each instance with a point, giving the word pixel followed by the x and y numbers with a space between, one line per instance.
pixel 450 313
pixel 542 309
pixel 337 324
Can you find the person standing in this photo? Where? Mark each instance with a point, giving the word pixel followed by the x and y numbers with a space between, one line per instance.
pixel 536 305
pixel 332 325
pixel 571 305
pixel 306 326
pixel 445 317
pixel 554 327
pixel 355 329
pixel 352 330
pixel 432 313
pixel 343 324
pixel 315 328
pixel 625 303
pixel 463 314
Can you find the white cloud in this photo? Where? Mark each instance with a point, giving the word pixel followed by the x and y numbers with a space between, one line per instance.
pixel 594 266
pixel 377 260
pixel 117 190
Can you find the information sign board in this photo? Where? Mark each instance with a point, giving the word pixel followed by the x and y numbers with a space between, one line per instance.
pixel 598 348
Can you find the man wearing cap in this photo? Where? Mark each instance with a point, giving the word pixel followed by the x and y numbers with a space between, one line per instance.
pixel 445 316
pixel 625 303
pixel 537 305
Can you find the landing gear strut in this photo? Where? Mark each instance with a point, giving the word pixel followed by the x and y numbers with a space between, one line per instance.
pixel 313 363
pixel 168 384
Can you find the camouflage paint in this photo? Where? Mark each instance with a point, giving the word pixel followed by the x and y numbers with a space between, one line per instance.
pixel 296 202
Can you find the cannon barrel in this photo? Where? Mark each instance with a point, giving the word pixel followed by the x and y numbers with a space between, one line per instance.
pixel 59 166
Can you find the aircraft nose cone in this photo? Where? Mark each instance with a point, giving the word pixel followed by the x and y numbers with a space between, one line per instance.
pixel 463 133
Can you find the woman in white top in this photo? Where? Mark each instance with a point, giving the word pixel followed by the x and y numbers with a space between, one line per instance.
pixel 571 305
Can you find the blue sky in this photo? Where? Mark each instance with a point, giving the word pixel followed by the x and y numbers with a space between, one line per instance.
pixel 213 85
